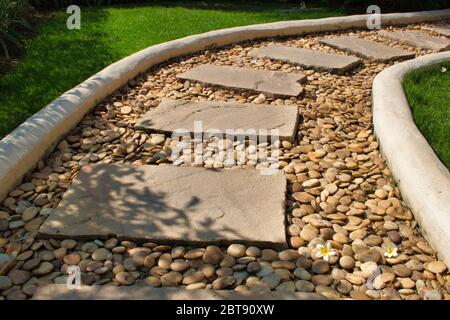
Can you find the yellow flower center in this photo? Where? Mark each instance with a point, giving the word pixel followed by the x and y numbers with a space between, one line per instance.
pixel 390 250
pixel 324 251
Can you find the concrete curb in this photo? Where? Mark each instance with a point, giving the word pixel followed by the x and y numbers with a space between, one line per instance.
pixel 423 180
pixel 33 139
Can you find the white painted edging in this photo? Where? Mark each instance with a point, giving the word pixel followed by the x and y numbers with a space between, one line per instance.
pixel 20 150
pixel 422 178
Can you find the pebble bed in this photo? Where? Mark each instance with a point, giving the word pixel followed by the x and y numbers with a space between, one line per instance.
pixel 340 191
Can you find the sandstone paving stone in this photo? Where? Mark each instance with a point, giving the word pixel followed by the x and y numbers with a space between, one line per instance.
pixel 275 83
pixel 251 119
pixel 167 203
pixel 367 49
pixel 61 292
pixel 308 58
pixel 418 39
pixel 444 29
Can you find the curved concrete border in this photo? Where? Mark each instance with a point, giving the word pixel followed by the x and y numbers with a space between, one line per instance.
pixel 423 180
pixel 20 150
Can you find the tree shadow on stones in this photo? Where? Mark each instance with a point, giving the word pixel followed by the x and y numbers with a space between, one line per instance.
pixel 120 201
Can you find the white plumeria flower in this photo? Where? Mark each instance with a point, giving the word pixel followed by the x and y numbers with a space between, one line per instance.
pixel 391 251
pixel 325 251
pixel 443 69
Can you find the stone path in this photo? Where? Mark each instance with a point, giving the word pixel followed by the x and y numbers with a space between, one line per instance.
pixel 273 83
pixel 334 187
pixel 61 292
pixel 418 39
pixel 178 205
pixel 367 49
pixel 307 58
pixel 250 119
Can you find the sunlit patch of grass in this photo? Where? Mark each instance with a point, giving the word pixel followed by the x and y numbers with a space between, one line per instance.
pixel 428 93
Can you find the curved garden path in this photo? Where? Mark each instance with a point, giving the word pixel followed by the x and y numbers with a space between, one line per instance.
pixel 338 190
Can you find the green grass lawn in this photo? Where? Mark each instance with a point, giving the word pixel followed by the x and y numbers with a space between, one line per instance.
pixel 57 59
pixel 428 93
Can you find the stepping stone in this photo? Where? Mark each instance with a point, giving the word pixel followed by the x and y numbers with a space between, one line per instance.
pixel 307 58
pixel 172 115
pixel 367 49
pixel 61 292
pixel 444 30
pixel 418 39
pixel 172 205
pixel 272 83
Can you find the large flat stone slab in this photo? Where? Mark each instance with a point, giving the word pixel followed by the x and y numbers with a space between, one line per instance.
pixel 418 39
pixel 307 58
pixel 172 204
pixel 367 49
pixel 444 30
pixel 273 83
pixel 172 115
pixel 61 292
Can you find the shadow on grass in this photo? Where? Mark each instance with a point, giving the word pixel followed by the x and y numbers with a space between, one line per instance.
pixel 268 9
pixel 56 60
pixel 247 6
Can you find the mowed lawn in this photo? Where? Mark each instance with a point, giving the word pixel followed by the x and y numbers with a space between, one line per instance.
pixel 428 93
pixel 56 59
